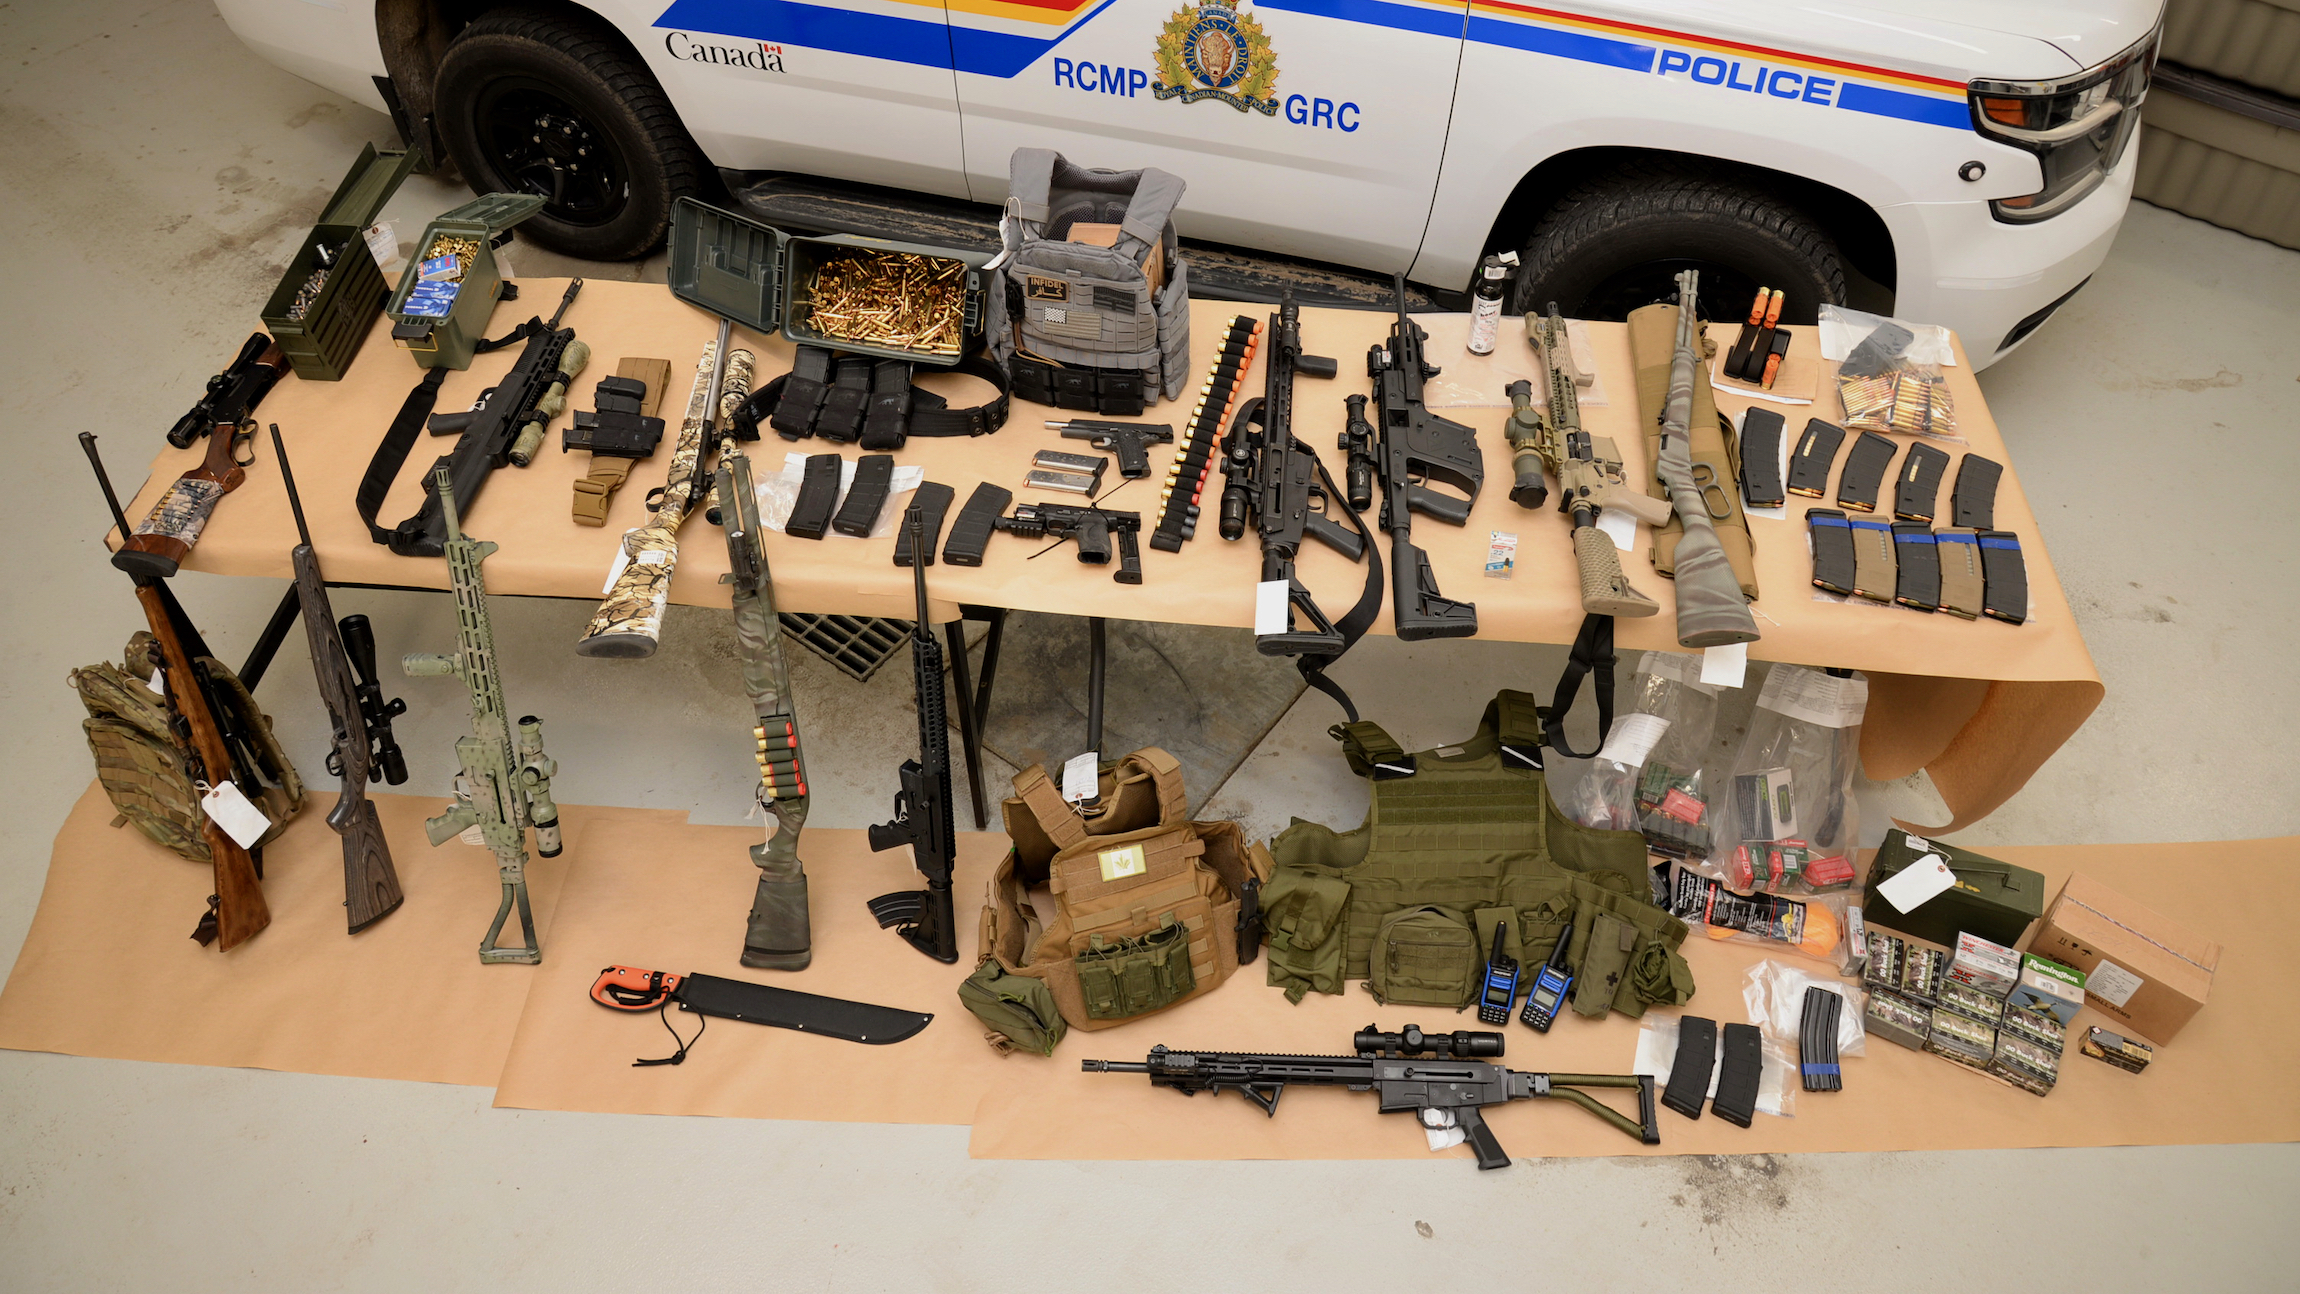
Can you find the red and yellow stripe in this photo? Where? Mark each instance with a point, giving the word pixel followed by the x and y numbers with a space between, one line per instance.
pixel 1618 29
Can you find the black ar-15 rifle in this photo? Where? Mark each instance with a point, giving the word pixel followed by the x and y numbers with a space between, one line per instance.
pixel 1387 1065
pixel 370 883
pixel 1416 447
pixel 922 808
pixel 1272 477
pixel 505 426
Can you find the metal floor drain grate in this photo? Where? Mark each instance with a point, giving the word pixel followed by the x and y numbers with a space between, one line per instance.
pixel 857 645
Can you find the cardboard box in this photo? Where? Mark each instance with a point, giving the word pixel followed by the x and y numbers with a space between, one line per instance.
pixel 2140 969
pixel 2049 987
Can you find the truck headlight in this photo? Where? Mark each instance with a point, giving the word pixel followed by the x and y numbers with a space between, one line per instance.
pixel 2078 127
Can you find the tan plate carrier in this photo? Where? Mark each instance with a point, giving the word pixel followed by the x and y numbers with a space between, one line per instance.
pixel 1145 901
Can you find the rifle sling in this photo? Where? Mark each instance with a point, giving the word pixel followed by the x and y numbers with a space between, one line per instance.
pixel 1592 651
pixel 391 455
pixel 1360 617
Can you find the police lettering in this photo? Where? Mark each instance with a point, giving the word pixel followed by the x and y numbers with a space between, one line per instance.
pixel 1779 82
pixel 759 58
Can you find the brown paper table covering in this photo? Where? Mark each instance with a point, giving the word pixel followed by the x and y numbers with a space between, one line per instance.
pixel 107 971
pixel 1980 705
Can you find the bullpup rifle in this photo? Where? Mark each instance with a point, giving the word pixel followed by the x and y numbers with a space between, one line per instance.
pixel 922 809
pixel 1456 1081
pixel 371 889
pixel 225 415
pixel 1414 447
pixel 1280 484
pixel 1710 609
pixel 236 912
pixel 505 787
pixel 506 425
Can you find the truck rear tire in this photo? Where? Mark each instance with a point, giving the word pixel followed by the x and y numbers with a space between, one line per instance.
pixel 1615 242
pixel 538 102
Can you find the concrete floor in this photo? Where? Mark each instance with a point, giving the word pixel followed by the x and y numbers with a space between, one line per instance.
pixel 153 176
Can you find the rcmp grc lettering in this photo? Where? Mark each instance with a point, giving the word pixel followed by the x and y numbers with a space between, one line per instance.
pixel 1109 78
pixel 1779 82
pixel 759 57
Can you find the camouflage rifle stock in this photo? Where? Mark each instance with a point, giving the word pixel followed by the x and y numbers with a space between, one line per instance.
pixel 371 888
pixel 1710 609
pixel 778 936
pixel 629 623
pixel 165 536
pixel 504 787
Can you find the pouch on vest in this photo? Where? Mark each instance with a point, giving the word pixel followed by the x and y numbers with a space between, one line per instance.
pixel 1131 976
pixel 1605 958
pixel 1300 913
pixel 1016 1011
pixel 1426 956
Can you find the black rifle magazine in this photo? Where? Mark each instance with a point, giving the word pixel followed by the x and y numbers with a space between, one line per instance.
pixel 2005 572
pixel 818 494
pixel 1917 497
pixel 1689 1073
pixel 866 498
pixel 1832 537
pixel 1737 1075
pixel 1816 454
pixel 932 499
pixel 1761 432
pixel 1864 473
pixel 1973 502
pixel 970 533
pixel 1917 560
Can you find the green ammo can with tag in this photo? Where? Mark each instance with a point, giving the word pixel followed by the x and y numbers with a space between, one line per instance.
pixel 1994 900
pixel 326 303
pixel 439 313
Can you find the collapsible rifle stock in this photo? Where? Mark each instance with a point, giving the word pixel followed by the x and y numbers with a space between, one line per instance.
pixel 1415 447
pixel 922 809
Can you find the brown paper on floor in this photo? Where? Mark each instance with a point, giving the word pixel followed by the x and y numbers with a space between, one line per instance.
pixel 677 901
pixel 108 968
pixel 2043 684
pixel 2228 1078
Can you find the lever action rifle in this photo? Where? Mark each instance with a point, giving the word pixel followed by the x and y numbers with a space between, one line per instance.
pixel 1280 483
pixel 503 788
pixel 236 912
pixel 922 809
pixel 506 425
pixel 779 934
pixel 224 415
pixel 1387 1065
pixel 370 883
pixel 1414 447
pixel 1710 609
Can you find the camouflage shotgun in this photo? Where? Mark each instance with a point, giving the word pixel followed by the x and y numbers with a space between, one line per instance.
pixel 1710 609
pixel 503 788
pixel 357 755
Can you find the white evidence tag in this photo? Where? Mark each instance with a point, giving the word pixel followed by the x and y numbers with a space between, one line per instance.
pixel 1082 777
pixel 1270 607
pixel 1633 738
pixel 622 559
pixel 1919 881
pixel 383 244
pixel 2112 983
pixel 1620 527
pixel 473 836
pixel 158 687
pixel 1725 666
pixel 229 809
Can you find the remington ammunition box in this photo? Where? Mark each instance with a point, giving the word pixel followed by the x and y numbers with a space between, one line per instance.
pixel 440 322
pixel 326 303
pixel 1896 1019
pixel 2117 1049
pixel 1990 967
pixel 2024 1064
pixel 2050 987
pixel 2038 1027
pixel 1971 1003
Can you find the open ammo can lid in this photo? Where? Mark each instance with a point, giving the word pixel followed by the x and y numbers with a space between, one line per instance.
pixel 368 185
pixel 727 264
pixel 496 211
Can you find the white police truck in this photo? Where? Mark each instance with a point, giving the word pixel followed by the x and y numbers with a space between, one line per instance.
pixel 1962 162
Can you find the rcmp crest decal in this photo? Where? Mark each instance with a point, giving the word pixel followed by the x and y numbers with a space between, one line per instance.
pixel 1212 51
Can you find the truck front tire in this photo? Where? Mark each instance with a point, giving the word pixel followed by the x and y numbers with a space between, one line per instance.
pixel 1616 241
pixel 538 102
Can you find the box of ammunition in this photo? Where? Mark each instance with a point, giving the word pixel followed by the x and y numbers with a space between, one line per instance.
pixel 2025 1064
pixel 1883 968
pixel 440 315
pixel 1896 1019
pixel 2048 986
pixel 1922 970
pixel 2140 968
pixel 326 303
pixel 1990 967
pixel 1963 1040
pixel 1970 1002
pixel 862 296
pixel 2039 1027
pixel 2117 1049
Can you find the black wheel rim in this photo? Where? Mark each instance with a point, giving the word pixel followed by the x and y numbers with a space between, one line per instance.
pixel 1725 291
pixel 537 142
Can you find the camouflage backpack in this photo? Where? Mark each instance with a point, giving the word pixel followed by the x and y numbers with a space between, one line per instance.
pixel 141 766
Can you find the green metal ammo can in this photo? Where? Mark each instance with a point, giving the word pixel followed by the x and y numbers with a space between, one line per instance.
pixel 441 321
pixel 321 338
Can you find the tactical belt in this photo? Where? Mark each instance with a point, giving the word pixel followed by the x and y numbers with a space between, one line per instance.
pixel 818 494
pixel 1118 391
pixel 620 429
pixel 391 455
pixel 866 498
pixel 932 499
pixel 1592 651
pixel 846 398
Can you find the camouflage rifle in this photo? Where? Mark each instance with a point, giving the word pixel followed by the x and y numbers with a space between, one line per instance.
pixel 503 788
pixel 370 883
pixel 1710 609
pixel 167 533
pixel 1588 470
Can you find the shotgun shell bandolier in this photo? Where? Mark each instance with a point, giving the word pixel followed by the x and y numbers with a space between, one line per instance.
pixel 1149 908
pixel 141 765
pixel 1081 325
pixel 1460 840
